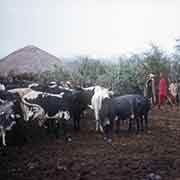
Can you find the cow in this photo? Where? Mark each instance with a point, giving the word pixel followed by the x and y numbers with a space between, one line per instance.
pixel 77 98
pixel 10 113
pixel 43 106
pixel 143 105
pixel 46 107
pixel 80 101
pixel 132 107
pixel 96 98
pixel 7 119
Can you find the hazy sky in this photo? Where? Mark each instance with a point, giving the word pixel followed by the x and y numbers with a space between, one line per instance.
pixel 88 27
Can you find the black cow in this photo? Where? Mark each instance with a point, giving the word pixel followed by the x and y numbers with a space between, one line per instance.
pixel 135 107
pixel 79 101
pixel 142 107
pixel 132 107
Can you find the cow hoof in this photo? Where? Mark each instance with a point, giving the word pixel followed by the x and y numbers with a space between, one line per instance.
pixel 69 139
pixel 109 140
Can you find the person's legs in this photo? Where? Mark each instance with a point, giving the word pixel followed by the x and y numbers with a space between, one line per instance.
pixel 177 100
pixel 174 102
pixel 160 101
pixel 162 98
pixel 173 99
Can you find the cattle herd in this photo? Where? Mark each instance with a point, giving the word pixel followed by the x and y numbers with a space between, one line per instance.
pixel 53 104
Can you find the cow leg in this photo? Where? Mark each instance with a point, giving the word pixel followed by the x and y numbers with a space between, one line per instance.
pixel 130 125
pixel 3 137
pixel 46 125
pixel 64 126
pixel 142 124
pixel 97 119
pixel 111 126
pixel 76 117
pixel 75 124
pixel 101 129
pixel 74 121
pixel 109 131
pixel 50 126
pixel 78 121
pixel 137 125
pixel 123 121
pixel 117 126
pixel 146 120
pixel 53 125
pixel 77 127
pixel 97 125
pixel 57 128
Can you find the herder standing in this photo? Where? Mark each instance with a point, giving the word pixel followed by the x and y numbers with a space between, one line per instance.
pixel 150 90
pixel 162 90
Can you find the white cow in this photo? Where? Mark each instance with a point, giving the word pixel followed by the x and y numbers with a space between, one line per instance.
pixel 100 93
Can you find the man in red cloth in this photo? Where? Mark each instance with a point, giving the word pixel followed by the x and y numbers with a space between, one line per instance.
pixel 162 90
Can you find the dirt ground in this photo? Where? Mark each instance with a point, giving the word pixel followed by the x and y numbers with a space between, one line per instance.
pixel 155 152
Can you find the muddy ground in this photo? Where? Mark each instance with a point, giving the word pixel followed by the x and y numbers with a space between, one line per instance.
pixel 89 157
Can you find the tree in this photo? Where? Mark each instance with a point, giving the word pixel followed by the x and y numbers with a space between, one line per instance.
pixel 90 70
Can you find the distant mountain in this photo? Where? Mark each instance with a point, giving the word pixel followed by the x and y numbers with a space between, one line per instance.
pixel 28 59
